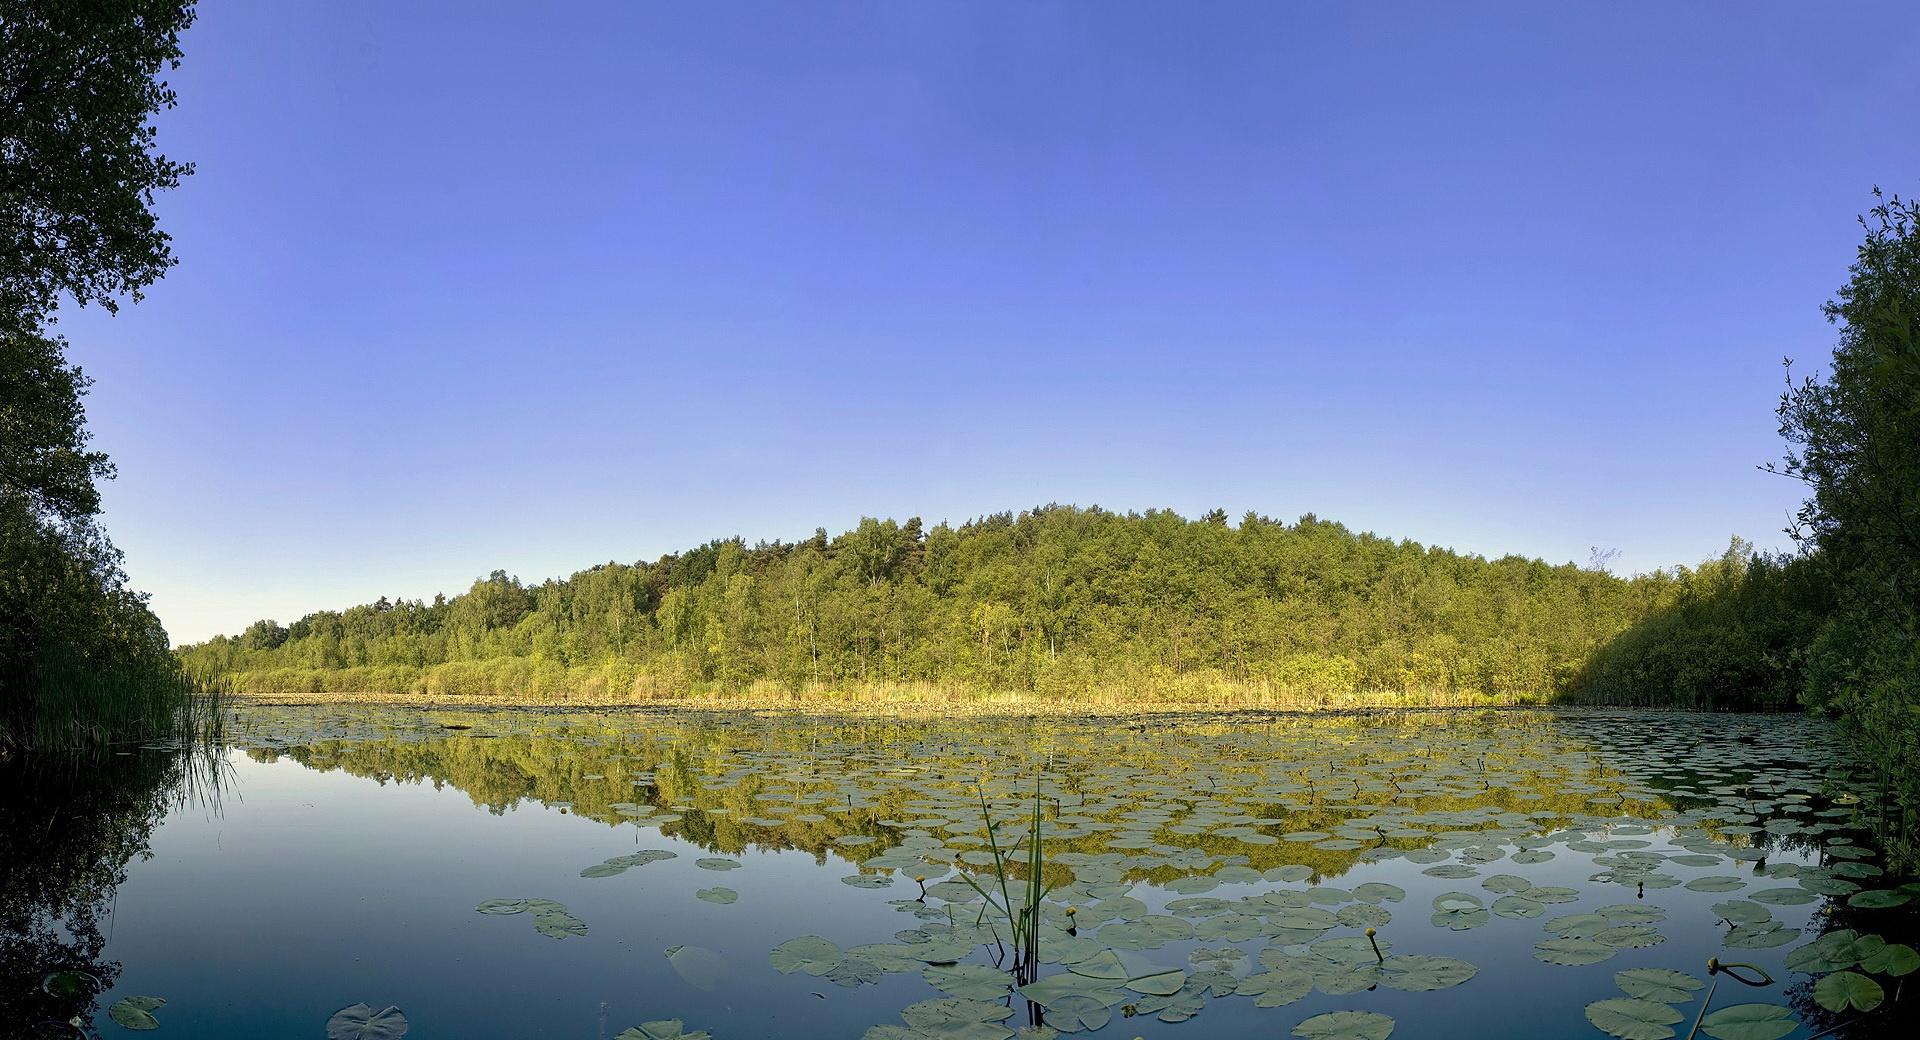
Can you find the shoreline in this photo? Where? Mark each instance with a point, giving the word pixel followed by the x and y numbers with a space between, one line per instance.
pixel 881 707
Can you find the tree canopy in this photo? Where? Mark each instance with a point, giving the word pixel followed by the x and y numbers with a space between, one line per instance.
pixel 79 84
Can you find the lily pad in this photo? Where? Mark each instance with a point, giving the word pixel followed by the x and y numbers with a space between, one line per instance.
pixel 137 1013
pixel 1345 1025
pixel 1658 984
pixel 1631 1018
pixel 1078 1012
pixel 718 894
pixel 1750 1022
pixel 360 1022
pixel 1846 989
pixel 1571 951
pixel 809 954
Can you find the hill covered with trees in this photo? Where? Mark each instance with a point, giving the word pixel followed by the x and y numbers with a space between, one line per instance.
pixel 1057 601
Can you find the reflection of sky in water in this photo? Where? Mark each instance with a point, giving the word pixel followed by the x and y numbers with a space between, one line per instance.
pixel 309 891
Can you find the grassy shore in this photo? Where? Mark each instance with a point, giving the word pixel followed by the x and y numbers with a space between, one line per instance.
pixel 918 698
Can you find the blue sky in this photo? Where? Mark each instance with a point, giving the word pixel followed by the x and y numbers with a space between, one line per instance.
pixel 535 286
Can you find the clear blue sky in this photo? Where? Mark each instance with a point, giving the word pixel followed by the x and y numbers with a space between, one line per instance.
pixel 535 286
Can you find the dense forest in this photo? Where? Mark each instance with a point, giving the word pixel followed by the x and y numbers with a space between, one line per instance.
pixel 1056 600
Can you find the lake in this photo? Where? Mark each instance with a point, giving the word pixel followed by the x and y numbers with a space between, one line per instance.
pixel 527 874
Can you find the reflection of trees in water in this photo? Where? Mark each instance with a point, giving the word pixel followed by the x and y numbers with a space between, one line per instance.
pixel 69 827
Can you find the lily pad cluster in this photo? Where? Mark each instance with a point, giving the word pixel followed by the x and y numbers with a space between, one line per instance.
pixel 550 918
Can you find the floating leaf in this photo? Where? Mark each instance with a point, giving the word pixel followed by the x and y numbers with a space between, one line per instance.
pixel 137 1013
pixel 1078 1012
pixel 1844 989
pixel 972 981
pixel 1420 972
pixel 809 954
pixel 1749 1022
pixel 1159 983
pixel 1658 984
pixel 360 1022
pixel 1631 1018
pixel 1571 951
pixel 1345 1025
pixel 669 1029
pixel 1878 898
pixel 855 972
pixel 1895 959
pixel 718 894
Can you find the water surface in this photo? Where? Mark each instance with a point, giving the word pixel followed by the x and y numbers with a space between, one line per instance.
pixel 1510 864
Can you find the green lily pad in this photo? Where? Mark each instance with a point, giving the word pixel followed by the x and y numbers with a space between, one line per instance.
pixel 669 1029
pixel 137 1013
pixel 1078 1012
pixel 1878 898
pixel 972 981
pixel 1571 951
pixel 1161 983
pixel 1895 959
pixel 958 1019
pixel 1750 1022
pixel 809 954
pixel 360 1022
pixel 1658 984
pixel 1846 989
pixel 718 894
pixel 1345 1025
pixel 1631 1018
pixel 1420 972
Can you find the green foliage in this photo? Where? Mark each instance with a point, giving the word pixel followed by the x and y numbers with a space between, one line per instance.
pixel 1731 634
pixel 1057 601
pixel 79 86
pixel 1856 443
pixel 81 656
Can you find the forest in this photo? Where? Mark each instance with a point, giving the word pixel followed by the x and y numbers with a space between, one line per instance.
pixel 1056 601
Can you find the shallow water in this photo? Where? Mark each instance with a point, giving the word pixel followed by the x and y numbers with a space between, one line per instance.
pixel 332 857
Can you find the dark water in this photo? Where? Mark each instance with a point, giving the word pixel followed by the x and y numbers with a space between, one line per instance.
pixel 331 858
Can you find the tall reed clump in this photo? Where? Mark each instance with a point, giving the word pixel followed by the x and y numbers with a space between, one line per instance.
pixel 69 703
pixel 1023 919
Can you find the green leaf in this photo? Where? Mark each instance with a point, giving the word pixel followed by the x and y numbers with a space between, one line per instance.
pixel 1895 959
pixel 1419 973
pixel 1844 989
pixel 360 1022
pixel 1658 984
pixel 1571 951
pixel 1749 1022
pixel 1077 1012
pixel 1345 1025
pixel 718 894
pixel 1631 1018
pixel 137 1012
pixel 1159 983
pixel 809 954
pixel 972 981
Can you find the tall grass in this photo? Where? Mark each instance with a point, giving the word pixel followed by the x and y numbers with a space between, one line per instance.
pixel 69 703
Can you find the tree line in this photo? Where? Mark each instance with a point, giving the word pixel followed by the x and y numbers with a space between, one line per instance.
pixel 1052 600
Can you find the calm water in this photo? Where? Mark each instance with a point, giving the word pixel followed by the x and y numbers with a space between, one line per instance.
pixel 331 858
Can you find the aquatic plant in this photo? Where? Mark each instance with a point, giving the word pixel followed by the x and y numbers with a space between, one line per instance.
pixel 1022 918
